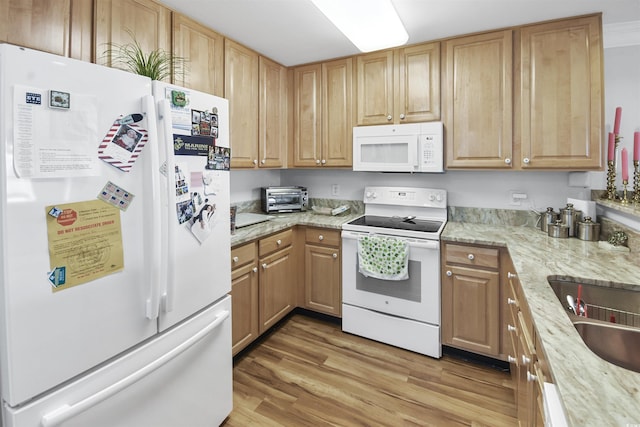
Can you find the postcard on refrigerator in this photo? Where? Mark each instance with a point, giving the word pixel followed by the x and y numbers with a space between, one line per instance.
pixel 122 145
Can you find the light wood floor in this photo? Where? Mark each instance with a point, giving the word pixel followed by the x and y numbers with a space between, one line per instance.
pixel 309 373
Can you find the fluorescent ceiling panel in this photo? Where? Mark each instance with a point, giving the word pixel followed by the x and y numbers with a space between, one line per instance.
pixel 369 24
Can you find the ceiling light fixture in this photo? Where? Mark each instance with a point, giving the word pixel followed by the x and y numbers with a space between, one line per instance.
pixel 369 24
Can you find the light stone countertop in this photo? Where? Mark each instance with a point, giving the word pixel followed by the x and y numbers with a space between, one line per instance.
pixel 283 221
pixel 593 392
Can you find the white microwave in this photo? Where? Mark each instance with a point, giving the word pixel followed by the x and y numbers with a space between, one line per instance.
pixel 414 147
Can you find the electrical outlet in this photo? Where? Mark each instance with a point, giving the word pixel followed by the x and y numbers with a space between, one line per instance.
pixel 335 189
pixel 516 197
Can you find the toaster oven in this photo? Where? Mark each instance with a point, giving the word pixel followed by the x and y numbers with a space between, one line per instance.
pixel 284 199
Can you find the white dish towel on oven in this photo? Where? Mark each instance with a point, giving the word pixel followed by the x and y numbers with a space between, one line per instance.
pixel 383 257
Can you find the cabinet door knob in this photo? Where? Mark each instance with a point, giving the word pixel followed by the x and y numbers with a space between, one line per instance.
pixel 511 359
pixel 255 161
pixel 335 255
pixel 389 117
pixel 511 275
pixel 526 160
pixel 264 266
pixel 321 237
pixel 525 360
pixel 255 269
pixel 278 242
pixel 317 161
pixel 236 259
pixel 531 377
pixel 471 257
pixel 401 116
pixel 511 328
pixel 263 161
pixel 507 161
pixel 323 161
pixel 511 301
pixel 449 273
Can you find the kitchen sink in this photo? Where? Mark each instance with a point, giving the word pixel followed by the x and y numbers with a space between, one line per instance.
pixel 617 343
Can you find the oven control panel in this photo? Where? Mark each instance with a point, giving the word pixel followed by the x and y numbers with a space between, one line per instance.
pixel 406 196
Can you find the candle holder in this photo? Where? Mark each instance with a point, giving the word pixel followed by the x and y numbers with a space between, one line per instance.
pixel 636 182
pixel 625 200
pixel 611 181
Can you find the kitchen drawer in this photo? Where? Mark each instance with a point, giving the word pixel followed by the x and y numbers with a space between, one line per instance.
pixel 472 256
pixel 243 255
pixel 322 236
pixel 275 242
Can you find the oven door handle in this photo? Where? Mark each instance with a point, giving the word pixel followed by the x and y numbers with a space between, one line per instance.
pixel 413 243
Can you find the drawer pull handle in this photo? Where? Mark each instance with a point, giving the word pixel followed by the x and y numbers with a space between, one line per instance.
pixel 511 328
pixel 321 237
pixel 511 275
pixel 512 359
pixel 255 269
pixel 278 242
pixel 525 360
pixel 449 273
pixel 236 259
pixel 511 301
pixel 335 255
pixel 264 266
pixel 531 377
pixel 471 257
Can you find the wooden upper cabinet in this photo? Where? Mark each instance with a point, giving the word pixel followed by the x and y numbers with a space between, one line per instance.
pixel 203 49
pixel 477 101
pixel 418 83
pixel 399 86
pixel 560 94
pixel 323 114
pixel 241 82
pixel 375 88
pixel 37 24
pixel 273 110
pixel 148 21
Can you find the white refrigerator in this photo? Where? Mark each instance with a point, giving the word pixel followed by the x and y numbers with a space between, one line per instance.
pixel 114 248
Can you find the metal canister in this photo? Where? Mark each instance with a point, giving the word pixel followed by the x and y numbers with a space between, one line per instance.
pixel 546 218
pixel 588 230
pixel 558 229
pixel 570 218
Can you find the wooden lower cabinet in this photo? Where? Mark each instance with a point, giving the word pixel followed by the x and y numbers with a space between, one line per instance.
pixel 277 295
pixel 244 296
pixel 471 299
pixel 322 271
pixel 527 361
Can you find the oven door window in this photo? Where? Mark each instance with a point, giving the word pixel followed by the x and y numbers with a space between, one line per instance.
pixel 409 290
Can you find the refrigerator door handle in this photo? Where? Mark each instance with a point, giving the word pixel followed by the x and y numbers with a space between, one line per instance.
pixel 67 411
pixel 164 110
pixel 154 225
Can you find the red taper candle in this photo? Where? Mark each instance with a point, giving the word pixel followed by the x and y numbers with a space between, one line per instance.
pixel 612 146
pixel 616 124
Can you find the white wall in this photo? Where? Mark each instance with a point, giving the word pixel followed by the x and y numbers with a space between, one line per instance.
pixel 481 188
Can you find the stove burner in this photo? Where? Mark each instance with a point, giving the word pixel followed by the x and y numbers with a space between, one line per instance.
pixel 398 223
